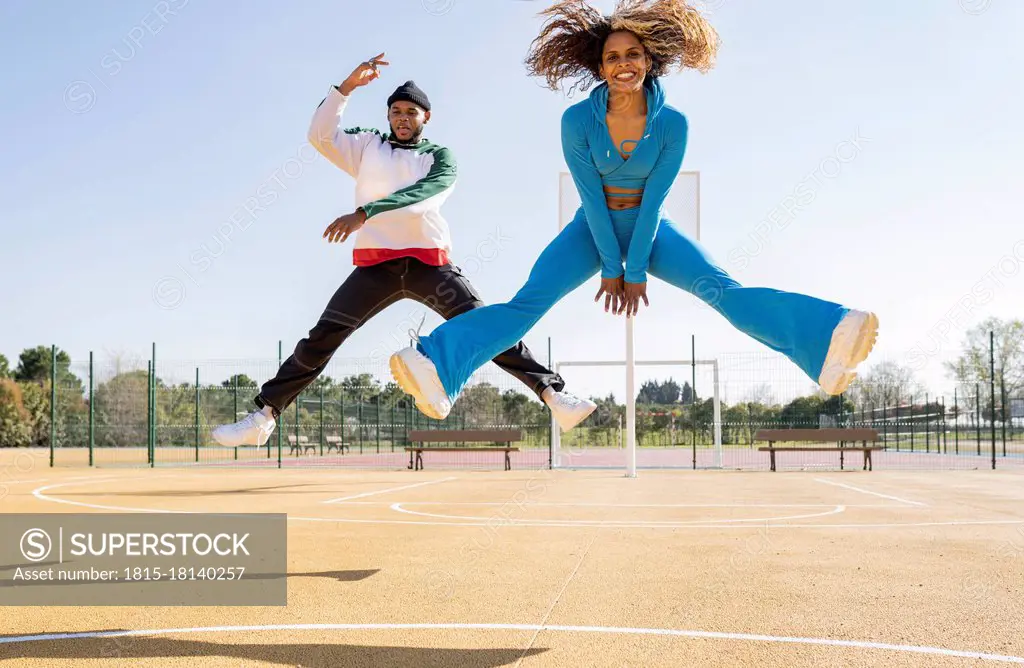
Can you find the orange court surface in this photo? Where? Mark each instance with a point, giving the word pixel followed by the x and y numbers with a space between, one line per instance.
pixel 468 568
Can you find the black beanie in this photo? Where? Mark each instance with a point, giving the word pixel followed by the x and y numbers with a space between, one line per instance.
pixel 410 92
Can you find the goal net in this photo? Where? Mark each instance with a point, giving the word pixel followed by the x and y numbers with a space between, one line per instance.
pixel 677 409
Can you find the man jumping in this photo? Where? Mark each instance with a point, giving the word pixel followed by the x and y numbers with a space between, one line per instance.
pixel 402 247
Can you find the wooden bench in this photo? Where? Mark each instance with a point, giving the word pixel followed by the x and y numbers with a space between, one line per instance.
pixel 301 444
pixel 842 436
pixel 334 442
pixel 462 436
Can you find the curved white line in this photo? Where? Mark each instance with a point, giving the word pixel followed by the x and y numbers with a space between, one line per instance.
pixel 397 507
pixel 38 493
pixel 643 505
pixel 680 633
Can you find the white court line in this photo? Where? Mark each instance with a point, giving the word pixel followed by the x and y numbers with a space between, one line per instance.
pixel 628 505
pixel 866 491
pixel 557 599
pixel 38 493
pixel 390 489
pixel 679 633
pixel 397 507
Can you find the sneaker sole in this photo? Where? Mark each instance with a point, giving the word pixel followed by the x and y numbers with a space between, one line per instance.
pixel 229 444
pixel 867 336
pixel 577 422
pixel 405 380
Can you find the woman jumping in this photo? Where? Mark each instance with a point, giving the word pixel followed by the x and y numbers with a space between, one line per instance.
pixel 624 147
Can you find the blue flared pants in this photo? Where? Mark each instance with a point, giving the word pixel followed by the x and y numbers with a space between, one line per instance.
pixel 795 325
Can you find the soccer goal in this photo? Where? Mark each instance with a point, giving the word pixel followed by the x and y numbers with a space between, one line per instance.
pixel 683 206
pixel 668 457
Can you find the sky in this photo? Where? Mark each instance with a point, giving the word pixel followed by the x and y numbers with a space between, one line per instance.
pixel 866 153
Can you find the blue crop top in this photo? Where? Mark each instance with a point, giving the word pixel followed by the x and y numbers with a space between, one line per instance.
pixel 653 165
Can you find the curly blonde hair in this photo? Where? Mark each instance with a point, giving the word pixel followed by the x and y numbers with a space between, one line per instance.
pixel 570 44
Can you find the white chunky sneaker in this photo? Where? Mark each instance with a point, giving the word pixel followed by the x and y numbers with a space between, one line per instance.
pixel 567 409
pixel 417 375
pixel 254 429
pixel 852 341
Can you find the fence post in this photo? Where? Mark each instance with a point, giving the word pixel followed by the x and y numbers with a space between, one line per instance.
pixel 913 424
pixel 197 414
pixel 885 421
pixel 992 389
pixel 1002 406
pixel 977 416
pixel 53 401
pixel 927 430
pixel 945 439
pixel 693 394
pixel 149 415
pixel 92 411
pixel 152 423
pixel 956 424
pixel 280 427
pixel 897 421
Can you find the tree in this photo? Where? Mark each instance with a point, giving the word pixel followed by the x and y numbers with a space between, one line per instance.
pixel 884 384
pixel 37 402
pixel 802 412
pixel 647 392
pixel 668 393
pixel 607 414
pixel 734 424
pixel 34 364
pixel 837 405
pixel 762 394
pixel 15 420
pixel 393 395
pixel 5 367
pixel 973 364
pixel 479 404
pixel 687 395
pixel 326 382
pixel 517 408
pixel 121 405
pixel 241 379
pixel 360 387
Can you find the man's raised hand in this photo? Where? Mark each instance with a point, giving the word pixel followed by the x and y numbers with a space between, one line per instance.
pixel 363 74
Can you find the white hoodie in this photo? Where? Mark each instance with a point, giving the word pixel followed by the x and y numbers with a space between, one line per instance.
pixel 401 187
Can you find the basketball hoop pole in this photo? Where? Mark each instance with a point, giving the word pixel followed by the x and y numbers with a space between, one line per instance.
pixel 568 204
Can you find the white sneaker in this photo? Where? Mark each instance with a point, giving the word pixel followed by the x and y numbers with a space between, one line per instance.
pixel 852 341
pixel 254 429
pixel 567 409
pixel 417 376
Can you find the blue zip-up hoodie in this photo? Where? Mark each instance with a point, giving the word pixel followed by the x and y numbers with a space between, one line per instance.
pixel 653 165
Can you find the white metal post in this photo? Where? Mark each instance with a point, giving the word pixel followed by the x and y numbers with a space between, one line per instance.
pixel 630 402
pixel 681 214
